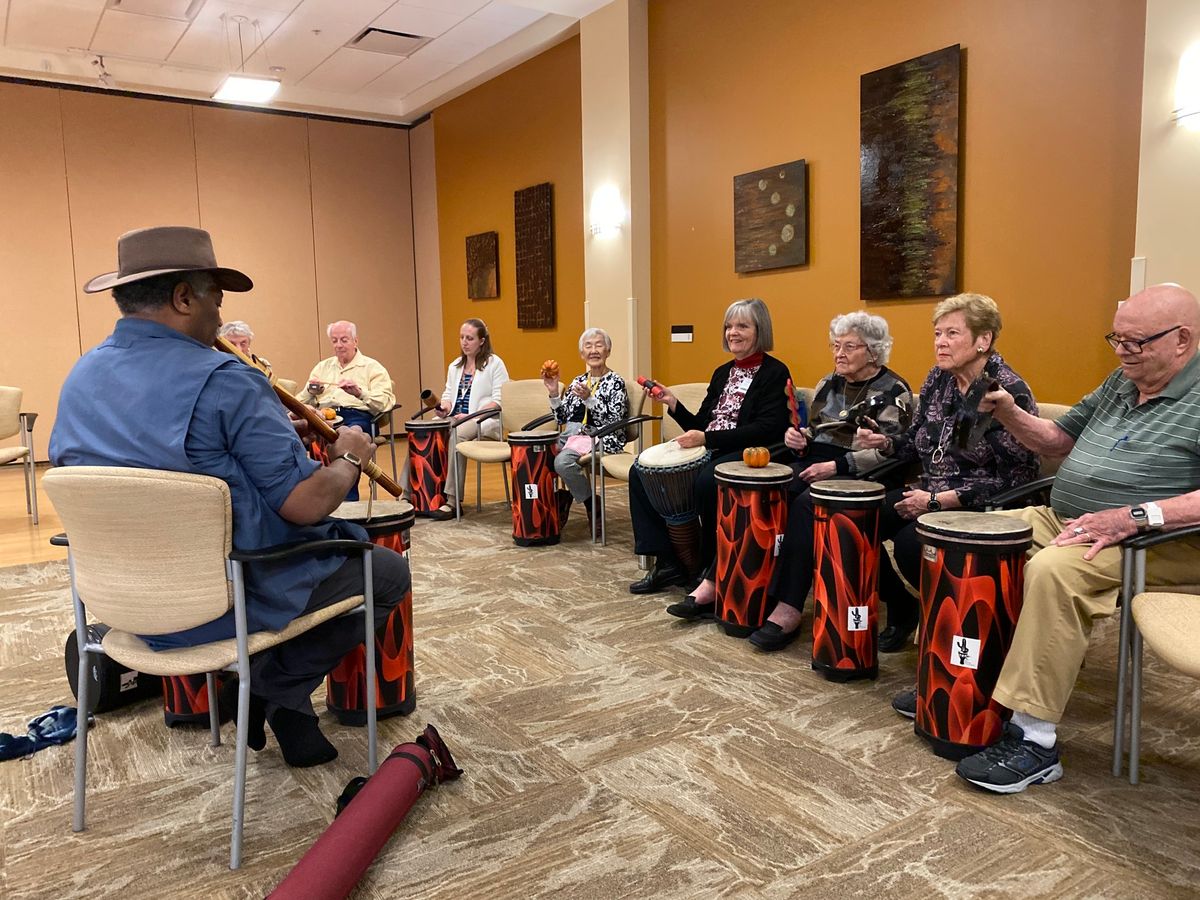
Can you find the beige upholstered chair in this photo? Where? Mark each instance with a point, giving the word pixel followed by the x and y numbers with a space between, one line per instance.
pixel 13 421
pixel 288 385
pixel 151 553
pixel 691 395
pixel 387 419
pixel 520 402
pixel 601 463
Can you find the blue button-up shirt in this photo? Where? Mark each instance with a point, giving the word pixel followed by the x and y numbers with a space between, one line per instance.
pixel 152 397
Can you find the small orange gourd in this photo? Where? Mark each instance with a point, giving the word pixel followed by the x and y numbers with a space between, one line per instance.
pixel 756 457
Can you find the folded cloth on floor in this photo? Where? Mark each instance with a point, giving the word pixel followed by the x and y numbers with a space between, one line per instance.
pixel 54 727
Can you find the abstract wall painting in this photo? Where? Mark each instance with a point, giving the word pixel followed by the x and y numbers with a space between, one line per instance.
pixel 770 218
pixel 483 265
pixel 908 165
pixel 534 215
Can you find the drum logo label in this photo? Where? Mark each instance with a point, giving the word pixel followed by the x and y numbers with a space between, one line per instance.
pixel 965 652
pixel 930 553
pixel 856 618
pixel 128 681
pixel 778 543
pixel 531 492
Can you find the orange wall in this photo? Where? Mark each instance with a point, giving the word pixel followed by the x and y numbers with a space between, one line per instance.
pixel 1048 185
pixel 517 130
pixel 317 213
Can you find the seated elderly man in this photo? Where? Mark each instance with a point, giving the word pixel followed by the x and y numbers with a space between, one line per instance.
pixel 350 383
pixel 1132 464
pixel 214 415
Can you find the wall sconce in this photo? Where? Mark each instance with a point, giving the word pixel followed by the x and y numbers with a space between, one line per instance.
pixel 1187 90
pixel 607 212
pixel 238 87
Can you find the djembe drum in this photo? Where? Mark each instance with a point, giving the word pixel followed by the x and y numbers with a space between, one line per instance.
pixel 668 473
pixel 752 510
pixel 346 686
pixel 972 572
pixel 534 506
pixel 846 587
pixel 428 459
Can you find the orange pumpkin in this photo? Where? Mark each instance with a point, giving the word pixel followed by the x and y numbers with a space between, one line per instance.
pixel 550 369
pixel 329 414
pixel 756 457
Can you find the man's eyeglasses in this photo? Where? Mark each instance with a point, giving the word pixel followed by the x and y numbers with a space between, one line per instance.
pixel 1129 345
pixel 848 347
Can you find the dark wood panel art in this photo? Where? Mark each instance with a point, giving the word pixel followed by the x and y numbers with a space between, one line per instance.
pixel 534 213
pixel 483 265
pixel 770 218
pixel 909 177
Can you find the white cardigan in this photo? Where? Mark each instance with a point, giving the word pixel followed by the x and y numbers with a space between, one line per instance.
pixel 485 388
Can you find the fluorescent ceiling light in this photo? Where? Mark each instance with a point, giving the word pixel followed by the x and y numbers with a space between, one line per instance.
pixel 239 88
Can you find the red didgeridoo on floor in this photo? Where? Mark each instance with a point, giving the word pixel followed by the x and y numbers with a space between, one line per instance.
pixel 334 864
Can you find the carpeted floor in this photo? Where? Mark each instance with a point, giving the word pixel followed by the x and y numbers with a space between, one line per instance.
pixel 610 751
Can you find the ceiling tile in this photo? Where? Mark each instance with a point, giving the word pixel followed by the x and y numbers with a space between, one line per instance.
pixel 296 47
pixel 508 14
pixel 415 20
pixel 447 49
pixel 211 42
pixel 408 76
pixel 348 70
pixel 52 24
pixel 485 34
pixel 461 7
pixel 576 8
pixel 133 35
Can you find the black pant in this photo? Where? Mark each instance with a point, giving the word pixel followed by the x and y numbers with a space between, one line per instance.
pixel 650 537
pixel 361 418
pixel 287 674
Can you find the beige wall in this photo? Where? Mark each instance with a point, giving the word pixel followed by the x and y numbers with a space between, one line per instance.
pixel 428 261
pixel 318 213
pixel 1169 174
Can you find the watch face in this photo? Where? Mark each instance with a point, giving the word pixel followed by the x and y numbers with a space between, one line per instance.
pixel 934 504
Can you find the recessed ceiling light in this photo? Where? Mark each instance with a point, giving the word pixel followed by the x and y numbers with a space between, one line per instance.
pixel 239 88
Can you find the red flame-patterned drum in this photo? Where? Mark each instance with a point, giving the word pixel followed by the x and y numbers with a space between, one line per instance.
pixel 752 510
pixel 534 506
pixel 428 459
pixel 318 449
pixel 395 691
pixel 846 586
pixel 972 571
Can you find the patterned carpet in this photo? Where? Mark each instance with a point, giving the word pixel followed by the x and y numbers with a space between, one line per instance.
pixel 610 751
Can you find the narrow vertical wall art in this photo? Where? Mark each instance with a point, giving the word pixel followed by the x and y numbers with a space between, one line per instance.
pixel 534 214
pixel 908 168
pixel 483 265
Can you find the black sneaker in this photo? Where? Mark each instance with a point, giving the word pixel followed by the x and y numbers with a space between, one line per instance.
pixel 1011 764
pixel 905 703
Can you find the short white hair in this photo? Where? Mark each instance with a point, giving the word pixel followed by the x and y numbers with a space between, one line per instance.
pixel 353 329
pixel 594 333
pixel 872 329
pixel 237 328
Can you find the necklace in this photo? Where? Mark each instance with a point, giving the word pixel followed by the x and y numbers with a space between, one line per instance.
pixel 939 452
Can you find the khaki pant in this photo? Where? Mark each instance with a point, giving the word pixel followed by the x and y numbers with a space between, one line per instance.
pixel 1063 595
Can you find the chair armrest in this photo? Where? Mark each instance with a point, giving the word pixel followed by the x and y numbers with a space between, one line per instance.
pixel 619 426
pixel 1154 538
pixel 1021 494
pixel 383 416
pixel 27 420
pixel 883 471
pixel 481 414
pixel 60 540
pixel 284 551
pixel 540 420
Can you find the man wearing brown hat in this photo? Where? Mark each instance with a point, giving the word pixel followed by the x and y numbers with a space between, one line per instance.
pixel 214 415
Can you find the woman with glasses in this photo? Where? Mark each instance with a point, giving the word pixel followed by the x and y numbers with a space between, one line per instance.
pixel 860 385
pixel 966 456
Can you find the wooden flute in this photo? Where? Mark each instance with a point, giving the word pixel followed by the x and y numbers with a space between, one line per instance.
pixel 314 419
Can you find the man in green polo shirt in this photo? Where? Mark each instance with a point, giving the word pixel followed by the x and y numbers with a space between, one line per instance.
pixel 1132 464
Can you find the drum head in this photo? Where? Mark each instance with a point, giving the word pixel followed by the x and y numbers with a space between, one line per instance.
pixel 668 455
pixel 740 473
pixel 427 424
pixel 532 437
pixel 962 526
pixel 381 510
pixel 848 490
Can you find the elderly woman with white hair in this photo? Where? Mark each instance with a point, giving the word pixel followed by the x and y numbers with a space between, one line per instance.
pixel 239 334
pixel 591 401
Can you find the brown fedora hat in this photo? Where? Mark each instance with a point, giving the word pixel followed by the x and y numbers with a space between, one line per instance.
pixel 148 252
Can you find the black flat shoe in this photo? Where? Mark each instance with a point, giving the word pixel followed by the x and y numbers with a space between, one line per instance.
pixel 300 739
pixel 442 514
pixel 895 638
pixel 657 579
pixel 771 637
pixel 689 609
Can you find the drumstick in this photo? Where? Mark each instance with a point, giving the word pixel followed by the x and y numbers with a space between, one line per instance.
pixel 314 419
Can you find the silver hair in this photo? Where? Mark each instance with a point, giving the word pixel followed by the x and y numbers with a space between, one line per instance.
pixel 872 329
pixel 752 310
pixel 353 329
pixel 595 332
pixel 237 328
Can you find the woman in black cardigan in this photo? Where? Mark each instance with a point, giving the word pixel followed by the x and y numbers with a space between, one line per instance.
pixel 746 406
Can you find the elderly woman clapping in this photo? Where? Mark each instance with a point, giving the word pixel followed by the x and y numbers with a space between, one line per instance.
pixel 591 401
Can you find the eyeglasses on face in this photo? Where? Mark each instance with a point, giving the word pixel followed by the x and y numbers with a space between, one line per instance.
pixel 844 346
pixel 1132 345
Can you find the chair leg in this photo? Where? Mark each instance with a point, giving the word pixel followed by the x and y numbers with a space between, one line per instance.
pixel 369 648
pixel 214 714
pixel 506 477
pixel 239 768
pixel 81 736
pixel 478 485
pixel 1118 758
pixel 1135 712
pixel 31 487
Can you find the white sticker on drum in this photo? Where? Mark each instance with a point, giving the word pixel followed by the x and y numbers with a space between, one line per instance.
pixel 965 652
pixel 778 543
pixel 531 492
pixel 930 553
pixel 856 618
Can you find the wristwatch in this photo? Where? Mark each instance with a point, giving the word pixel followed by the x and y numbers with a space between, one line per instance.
pixel 351 458
pixel 1146 516
pixel 935 505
